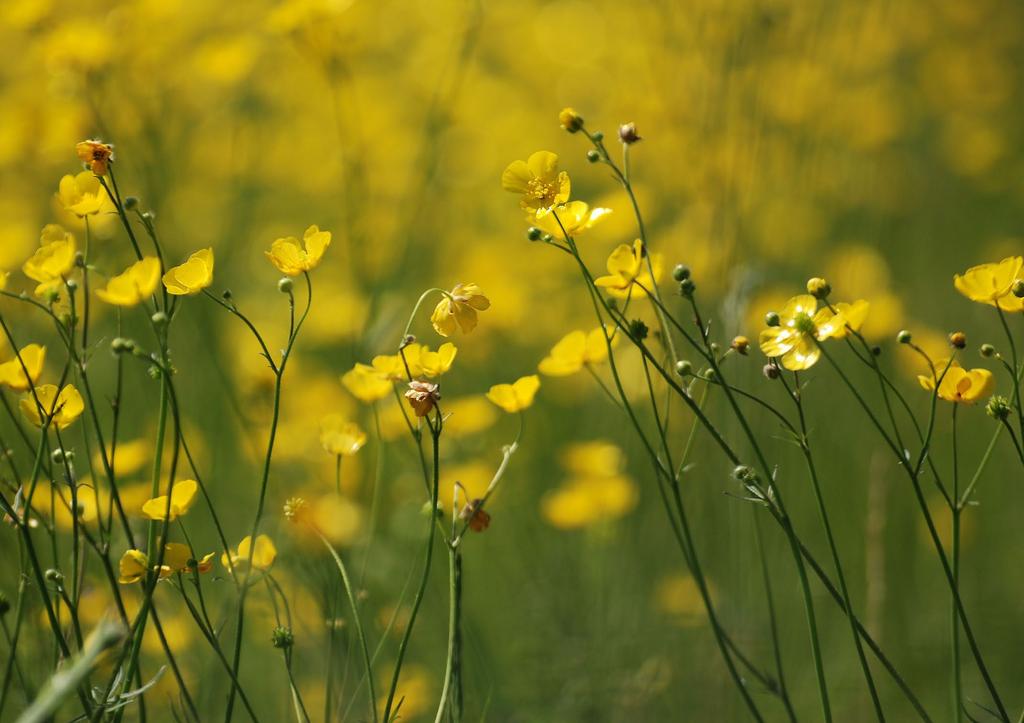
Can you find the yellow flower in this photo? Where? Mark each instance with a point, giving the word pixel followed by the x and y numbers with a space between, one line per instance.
pixel 261 555
pixel 366 384
pixel 61 408
pixel 53 260
pixel 992 283
pixel 97 154
pixel 4 275
pixel 82 195
pixel 965 386
pixel 570 120
pixel 436 363
pixel 133 566
pixel 192 276
pixel 800 327
pixel 183 494
pixel 853 316
pixel 134 284
pixel 391 366
pixel 340 437
pixel 292 257
pixel 30 359
pixel 585 501
pixel 574 351
pixel 626 267
pixel 176 557
pixel 517 396
pixel 457 310
pixel 539 182
pixel 576 217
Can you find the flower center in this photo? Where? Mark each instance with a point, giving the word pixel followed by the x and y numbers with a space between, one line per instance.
pixel 804 323
pixel 543 191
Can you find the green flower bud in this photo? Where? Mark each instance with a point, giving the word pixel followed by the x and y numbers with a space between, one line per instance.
pixel 987 350
pixel 772 319
pixel 684 368
pixel 687 287
pixel 904 337
pixel 285 285
pixel 533 233
pixel 282 637
pixel 593 156
pixel 681 272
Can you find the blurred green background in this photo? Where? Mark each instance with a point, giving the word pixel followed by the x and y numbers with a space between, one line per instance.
pixel 877 143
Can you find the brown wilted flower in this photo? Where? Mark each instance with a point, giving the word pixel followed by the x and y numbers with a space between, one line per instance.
pixel 474 513
pixel 422 396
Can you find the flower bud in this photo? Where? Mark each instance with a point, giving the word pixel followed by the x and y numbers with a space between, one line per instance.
pixel 598 136
pixel 998 408
pixel 770 371
pixel 904 337
pixel 1018 289
pixel 149 215
pixel 533 233
pixel 684 368
pixel 638 330
pixel 131 203
pixel 987 350
pixel 593 156
pixel 818 288
pixel 120 345
pixel 570 120
pixel 681 272
pixel 282 637
pixel 687 287
pixel 57 456
pixel 285 285
pixel 55 576
pixel 72 285
pixel 628 134
pixel 958 340
pixel 159 318
pixel 743 473
pixel 80 259
pixel 740 345
pixel 772 319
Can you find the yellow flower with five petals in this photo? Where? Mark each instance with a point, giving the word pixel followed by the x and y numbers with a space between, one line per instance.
pixel 574 351
pixel 53 260
pixel 340 437
pixel 83 195
pixel 192 276
pixel 517 396
pixel 292 257
pixel 61 408
pixel 183 495
pixel 13 371
pixel 963 386
pixel 457 310
pixel 261 555
pixel 575 217
pixel 992 283
pixel 134 284
pixel 366 383
pixel 539 182
pixel 801 326
pixel 628 274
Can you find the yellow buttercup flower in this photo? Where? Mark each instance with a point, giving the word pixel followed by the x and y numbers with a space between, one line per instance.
pixel 391 366
pixel 340 437
pixel 261 555
pixel 134 284
pixel 192 276
pixel 183 494
pixel 964 386
pixel 97 154
pixel 800 327
pixel 585 501
pixel 132 567
pixel 538 181
pixel 628 274
pixel 853 316
pixel 366 384
pixel 292 257
pixel 517 396
pixel 574 351
pixel 62 408
pixel 435 363
pixel 83 195
pixel 30 359
pixel 457 310
pixel 575 216
pixel 992 283
pixel 53 260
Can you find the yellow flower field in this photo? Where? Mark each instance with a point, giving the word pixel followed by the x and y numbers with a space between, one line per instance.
pixel 541 361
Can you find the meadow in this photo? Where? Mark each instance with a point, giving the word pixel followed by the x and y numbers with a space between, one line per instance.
pixel 545 361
